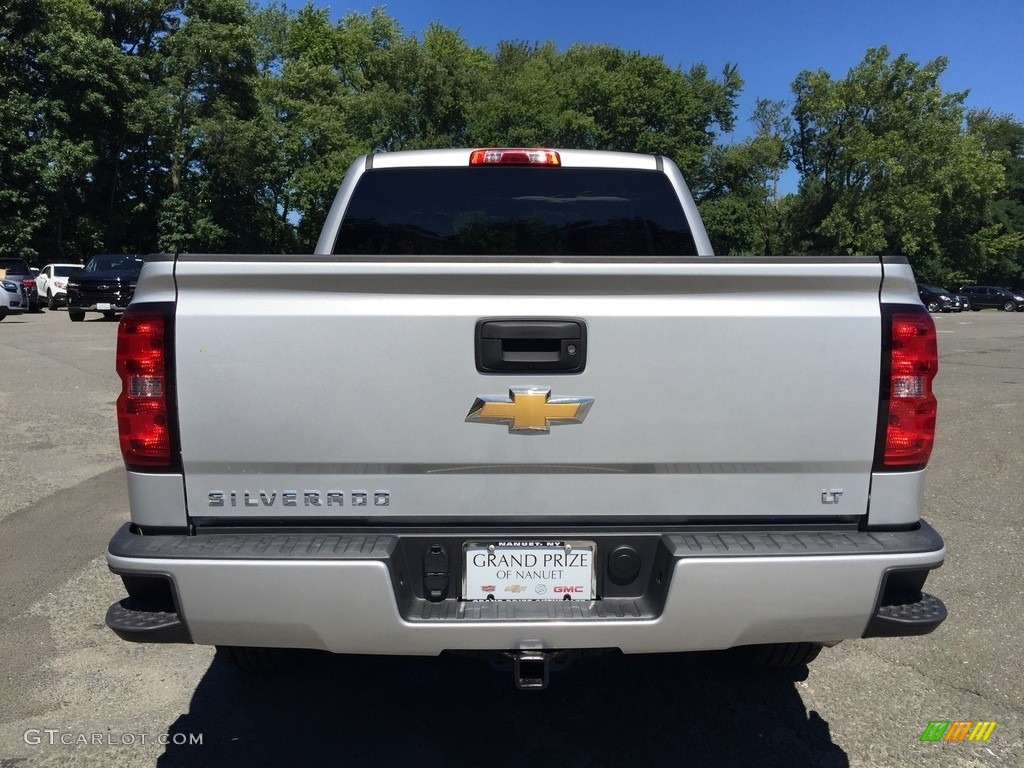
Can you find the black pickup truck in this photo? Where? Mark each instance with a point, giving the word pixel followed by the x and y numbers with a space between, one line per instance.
pixel 106 284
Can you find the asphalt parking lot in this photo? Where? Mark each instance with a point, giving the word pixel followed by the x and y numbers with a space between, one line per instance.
pixel 72 694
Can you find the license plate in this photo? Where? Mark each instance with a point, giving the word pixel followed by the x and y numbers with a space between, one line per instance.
pixel 529 570
pixel 103 306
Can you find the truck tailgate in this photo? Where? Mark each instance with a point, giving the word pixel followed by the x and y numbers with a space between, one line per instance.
pixel 318 387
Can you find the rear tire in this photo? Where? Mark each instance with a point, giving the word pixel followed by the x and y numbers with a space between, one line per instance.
pixel 110 314
pixel 76 315
pixel 779 655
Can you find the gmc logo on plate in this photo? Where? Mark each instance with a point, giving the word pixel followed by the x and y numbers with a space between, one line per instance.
pixel 568 590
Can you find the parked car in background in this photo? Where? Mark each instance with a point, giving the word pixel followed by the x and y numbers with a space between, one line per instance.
pixel 106 284
pixel 13 300
pixel 17 269
pixel 993 297
pixel 938 299
pixel 52 283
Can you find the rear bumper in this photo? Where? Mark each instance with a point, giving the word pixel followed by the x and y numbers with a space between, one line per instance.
pixel 89 301
pixel 98 306
pixel 359 593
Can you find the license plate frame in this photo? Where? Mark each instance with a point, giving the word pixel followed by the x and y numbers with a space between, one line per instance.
pixel 519 570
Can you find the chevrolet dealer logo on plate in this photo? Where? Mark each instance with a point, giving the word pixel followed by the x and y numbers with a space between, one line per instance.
pixel 530 410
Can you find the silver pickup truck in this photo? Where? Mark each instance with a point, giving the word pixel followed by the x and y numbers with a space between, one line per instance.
pixel 514 403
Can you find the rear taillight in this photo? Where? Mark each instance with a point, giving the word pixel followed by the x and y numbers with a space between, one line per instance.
pixel 515 157
pixel 910 362
pixel 145 422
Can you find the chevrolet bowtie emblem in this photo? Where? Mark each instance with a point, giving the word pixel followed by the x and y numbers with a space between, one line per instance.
pixel 530 410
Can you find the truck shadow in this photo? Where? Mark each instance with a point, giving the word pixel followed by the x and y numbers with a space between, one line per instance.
pixel 614 710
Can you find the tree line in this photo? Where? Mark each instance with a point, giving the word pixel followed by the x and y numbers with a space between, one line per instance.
pixel 217 126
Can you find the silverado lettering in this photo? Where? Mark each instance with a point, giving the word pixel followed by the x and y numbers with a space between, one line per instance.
pixel 291 498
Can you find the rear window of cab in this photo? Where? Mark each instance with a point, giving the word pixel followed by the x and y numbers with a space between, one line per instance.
pixel 514 211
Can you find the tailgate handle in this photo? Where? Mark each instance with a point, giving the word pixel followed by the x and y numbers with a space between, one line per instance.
pixel 531 345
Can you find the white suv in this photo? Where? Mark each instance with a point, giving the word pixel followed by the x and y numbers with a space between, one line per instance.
pixel 52 283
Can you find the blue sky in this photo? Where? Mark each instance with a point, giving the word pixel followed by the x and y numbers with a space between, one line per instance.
pixel 770 40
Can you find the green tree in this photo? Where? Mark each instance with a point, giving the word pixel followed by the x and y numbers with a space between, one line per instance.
pixel 632 102
pixel 271 29
pixel 311 102
pixel 127 188
pixel 207 125
pixel 740 204
pixel 1000 242
pixel 601 97
pixel 384 64
pixel 449 82
pixel 518 105
pixel 73 125
pixel 64 91
pixel 79 75
pixel 412 94
pixel 22 211
pixel 886 164
pixel 217 140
